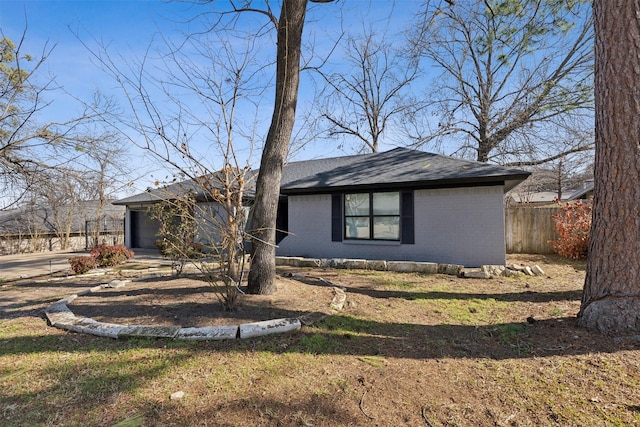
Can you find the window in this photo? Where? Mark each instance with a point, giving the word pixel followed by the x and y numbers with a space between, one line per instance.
pixel 372 216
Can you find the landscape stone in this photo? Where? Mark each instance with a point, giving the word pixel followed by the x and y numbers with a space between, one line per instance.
pixel 378 265
pixel 309 262
pixel 338 299
pixel 401 266
pixel 101 329
pixel 116 284
pixel 356 264
pixel 475 273
pixel 537 270
pixel 256 329
pixel 517 267
pixel 426 267
pixel 57 318
pixel 494 270
pixel 149 331
pixel 209 333
pixel 177 395
pixel 450 269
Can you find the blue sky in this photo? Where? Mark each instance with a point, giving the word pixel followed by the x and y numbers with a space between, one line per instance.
pixel 129 27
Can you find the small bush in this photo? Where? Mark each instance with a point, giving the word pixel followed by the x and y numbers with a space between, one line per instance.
pixel 573 224
pixel 82 264
pixel 108 256
pixel 169 249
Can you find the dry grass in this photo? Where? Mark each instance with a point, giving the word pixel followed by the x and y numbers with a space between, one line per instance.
pixel 407 350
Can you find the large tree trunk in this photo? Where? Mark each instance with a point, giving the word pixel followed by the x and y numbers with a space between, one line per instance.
pixel 262 274
pixel 611 297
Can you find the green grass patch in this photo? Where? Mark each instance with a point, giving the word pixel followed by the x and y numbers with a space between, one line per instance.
pixel 318 344
pixel 474 311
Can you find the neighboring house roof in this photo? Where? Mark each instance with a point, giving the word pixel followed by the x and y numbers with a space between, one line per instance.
pixel 41 219
pixel 582 193
pixel 400 167
pixel 543 197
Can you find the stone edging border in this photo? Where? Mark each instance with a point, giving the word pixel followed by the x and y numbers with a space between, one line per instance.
pixel 60 316
pixel 483 272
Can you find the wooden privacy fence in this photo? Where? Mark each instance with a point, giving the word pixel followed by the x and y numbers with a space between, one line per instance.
pixel 529 229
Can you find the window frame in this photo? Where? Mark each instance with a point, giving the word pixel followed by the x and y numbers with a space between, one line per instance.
pixel 371 216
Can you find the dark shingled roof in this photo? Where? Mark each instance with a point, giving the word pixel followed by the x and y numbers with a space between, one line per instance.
pixel 398 168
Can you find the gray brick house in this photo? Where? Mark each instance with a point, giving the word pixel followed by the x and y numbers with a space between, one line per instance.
pixel 397 205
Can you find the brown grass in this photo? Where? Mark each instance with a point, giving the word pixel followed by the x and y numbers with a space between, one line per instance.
pixel 407 349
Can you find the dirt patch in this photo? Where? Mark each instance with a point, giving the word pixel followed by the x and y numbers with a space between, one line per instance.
pixel 193 302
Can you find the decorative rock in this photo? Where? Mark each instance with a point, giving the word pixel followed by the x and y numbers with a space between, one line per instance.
pixel 58 307
pixel 338 300
pixel 356 264
pixel 512 273
pixel 177 395
pixel 310 262
pixel 257 329
pixel 537 270
pixel 69 299
pixel 494 270
pixel 450 269
pixel 378 265
pixel 426 267
pixel 209 333
pixel 59 318
pixel 115 284
pixel 475 273
pixel 149 331
pixel 528 271
pixel 401 266
pixel 337 263
pixel 90 326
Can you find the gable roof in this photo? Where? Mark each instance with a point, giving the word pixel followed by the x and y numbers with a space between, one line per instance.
pixel 154 195
pixel 397 168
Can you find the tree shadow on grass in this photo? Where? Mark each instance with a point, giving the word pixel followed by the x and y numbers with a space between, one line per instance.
pixel 347 335
pixel 525 296
pixel 94 373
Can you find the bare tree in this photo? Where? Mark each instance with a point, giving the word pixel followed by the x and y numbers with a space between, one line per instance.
pixel 289 26
pixel 516 82
pixel 105 161
pixel 371 93
pixel 611 297
pixel 29 148
pixel 196 114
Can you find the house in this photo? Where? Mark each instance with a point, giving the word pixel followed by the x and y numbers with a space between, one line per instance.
pixel 397 205
pixel 35 227
pixel 542 198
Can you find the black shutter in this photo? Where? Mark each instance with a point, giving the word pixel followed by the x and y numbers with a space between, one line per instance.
pixel 407 226
pixel 336 217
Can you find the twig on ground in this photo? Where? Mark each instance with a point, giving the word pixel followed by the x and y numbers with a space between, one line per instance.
pixel 362 407
pixel 424 417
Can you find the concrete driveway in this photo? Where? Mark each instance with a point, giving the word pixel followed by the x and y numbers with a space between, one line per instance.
pixel 19 266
